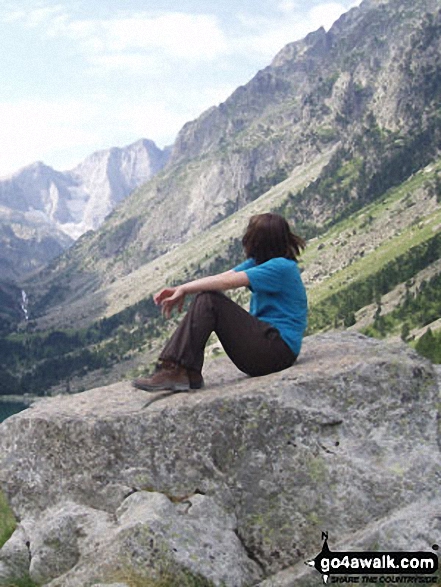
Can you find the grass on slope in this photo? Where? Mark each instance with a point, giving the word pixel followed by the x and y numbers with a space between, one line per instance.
pixel 363 268
pixel 7 520
pixel 418 231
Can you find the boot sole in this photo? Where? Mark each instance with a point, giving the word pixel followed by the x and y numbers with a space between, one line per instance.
pixel 175 387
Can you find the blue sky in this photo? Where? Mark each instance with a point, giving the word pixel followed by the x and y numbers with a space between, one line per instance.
pixel 82 75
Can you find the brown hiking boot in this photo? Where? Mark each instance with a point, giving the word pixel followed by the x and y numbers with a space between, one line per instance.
pixel 168 376
pixel 196 379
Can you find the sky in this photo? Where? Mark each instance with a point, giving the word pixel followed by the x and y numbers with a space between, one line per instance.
pixel 78 76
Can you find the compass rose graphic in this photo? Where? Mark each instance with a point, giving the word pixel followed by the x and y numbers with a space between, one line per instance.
pixel 315 562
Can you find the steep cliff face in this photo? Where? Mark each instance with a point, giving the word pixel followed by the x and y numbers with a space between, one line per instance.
pixel 362 65
pixel 233 483
pixel 79 200
pixel 42 211
pixel 329 91
pixel 105 178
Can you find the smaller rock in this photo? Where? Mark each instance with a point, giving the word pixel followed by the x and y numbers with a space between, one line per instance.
pixel 61 537
pixel 54 548
pixel 14 557
pixel 114 494
pixel 196 535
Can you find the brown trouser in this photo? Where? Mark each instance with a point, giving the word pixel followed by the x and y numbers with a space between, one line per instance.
pixel 254 346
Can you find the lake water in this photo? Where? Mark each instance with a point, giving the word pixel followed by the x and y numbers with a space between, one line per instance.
pixel 9 408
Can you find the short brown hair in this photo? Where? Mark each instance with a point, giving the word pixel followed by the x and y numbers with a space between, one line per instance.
pixel 268 236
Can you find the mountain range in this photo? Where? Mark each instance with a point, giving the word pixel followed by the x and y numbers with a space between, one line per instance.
pixel 368 76
pixel 341 133
pixel 43 211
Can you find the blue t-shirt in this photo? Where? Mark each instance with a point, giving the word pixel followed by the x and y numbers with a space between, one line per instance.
pixel 278 297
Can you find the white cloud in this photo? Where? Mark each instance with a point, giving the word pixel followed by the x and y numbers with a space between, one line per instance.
pixel 131 63
pixel 32 17
pixel 180 35
pixel 40 16
pixel 152 119
pixel 288 6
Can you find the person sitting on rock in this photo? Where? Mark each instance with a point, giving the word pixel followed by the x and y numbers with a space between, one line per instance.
pixel 266 339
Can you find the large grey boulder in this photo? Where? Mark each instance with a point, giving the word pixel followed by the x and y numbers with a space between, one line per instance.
pixel 345 439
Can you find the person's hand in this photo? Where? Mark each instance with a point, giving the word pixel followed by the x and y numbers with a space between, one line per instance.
pixel 168 298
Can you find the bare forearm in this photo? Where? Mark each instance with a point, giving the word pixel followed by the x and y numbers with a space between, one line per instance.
pixel 219 282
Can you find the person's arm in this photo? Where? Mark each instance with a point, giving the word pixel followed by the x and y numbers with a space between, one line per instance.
pixel 170 297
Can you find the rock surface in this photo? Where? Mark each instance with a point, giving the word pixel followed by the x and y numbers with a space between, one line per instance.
pixel 72 545
pixel 412 528
pixel 234 483
pixel 14 557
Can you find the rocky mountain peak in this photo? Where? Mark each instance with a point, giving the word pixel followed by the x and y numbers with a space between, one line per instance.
pixel 362 42
pixel 99 182
pixel 34 167
pixel 72 202
pixel 106 177
pixel 315 42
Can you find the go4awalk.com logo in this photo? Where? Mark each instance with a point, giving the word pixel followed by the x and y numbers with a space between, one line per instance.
pixel 376 567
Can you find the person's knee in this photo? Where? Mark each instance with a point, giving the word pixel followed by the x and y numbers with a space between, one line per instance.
pixel 202 301
pixel 202 295
pixel 208 296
